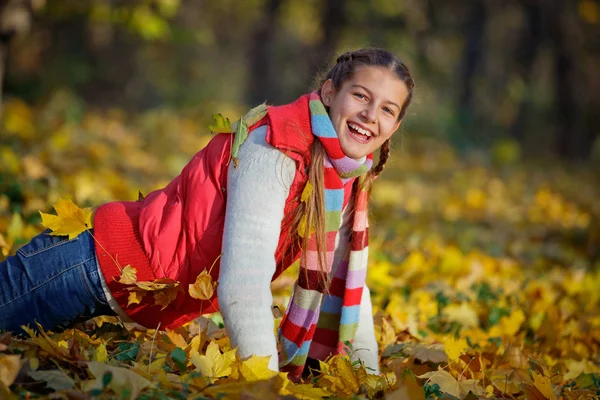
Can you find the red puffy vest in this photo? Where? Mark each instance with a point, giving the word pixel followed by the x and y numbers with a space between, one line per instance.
pixel 176 232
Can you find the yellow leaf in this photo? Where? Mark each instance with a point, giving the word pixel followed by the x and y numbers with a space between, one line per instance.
pixel 339 376
pixel 203 288
pixel 543 384
pixel 69 220
pixel 308 188
pixel 213 363
pixel 304 391
pixel 464 314
pixel 100 354
pixel 128 275
pixel 221 125
pixel 165 297
pixel 509 325
pixel 256 368
pixel 455 347
pixel 135 297
pixel 9 368
pixel 177 339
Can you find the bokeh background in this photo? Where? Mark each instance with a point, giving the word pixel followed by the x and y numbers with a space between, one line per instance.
pixel 486 221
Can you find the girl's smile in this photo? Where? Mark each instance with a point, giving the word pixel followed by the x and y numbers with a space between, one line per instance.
pixel 365 110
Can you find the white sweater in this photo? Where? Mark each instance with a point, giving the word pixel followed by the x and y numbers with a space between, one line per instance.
pixel 256 195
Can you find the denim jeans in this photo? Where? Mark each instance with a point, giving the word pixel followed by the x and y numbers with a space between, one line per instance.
pixel 51 280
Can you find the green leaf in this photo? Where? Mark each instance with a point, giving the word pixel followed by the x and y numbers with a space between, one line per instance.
pixel 241 134
pixel 221 124
pixel 179 358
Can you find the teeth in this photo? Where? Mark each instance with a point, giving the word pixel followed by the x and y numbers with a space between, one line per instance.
pixel 360 130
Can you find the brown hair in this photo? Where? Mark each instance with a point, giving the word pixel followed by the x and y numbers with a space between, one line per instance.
pixel 313 210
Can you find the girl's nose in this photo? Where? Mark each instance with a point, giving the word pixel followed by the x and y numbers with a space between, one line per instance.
pixel 369 114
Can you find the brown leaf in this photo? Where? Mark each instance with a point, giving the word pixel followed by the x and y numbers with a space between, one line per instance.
pixel 9 368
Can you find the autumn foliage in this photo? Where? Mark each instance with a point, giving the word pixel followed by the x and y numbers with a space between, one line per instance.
pixel 484 273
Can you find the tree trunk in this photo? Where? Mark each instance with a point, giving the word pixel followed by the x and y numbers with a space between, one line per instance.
pixel 262 84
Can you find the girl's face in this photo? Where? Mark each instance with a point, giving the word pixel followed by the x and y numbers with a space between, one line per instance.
pixel 365 110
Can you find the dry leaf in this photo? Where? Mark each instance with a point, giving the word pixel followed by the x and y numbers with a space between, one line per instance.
pixel 165 297
pixel 128 275
pixel 135 297
pixel 408 389
pixel 449 384
pixel 122 379
pixel 255 368
pixel 203 288
pixel 9 368
pixel 543 384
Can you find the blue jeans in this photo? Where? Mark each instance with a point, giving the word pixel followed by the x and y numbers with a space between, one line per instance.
pixel 51 280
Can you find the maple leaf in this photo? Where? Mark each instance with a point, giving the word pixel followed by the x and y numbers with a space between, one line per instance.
pixel 221 125
pixel 214 364
pixel 428 352
pixel 128 275
pixel 135 297
pixel 9 368
pixel 339 376
pixel 455 347
pixel 69 220
pixel 54 379
pixel 255 368
pixel 203 288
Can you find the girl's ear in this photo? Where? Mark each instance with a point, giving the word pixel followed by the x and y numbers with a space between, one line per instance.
pixel 397 125
pixel 327 92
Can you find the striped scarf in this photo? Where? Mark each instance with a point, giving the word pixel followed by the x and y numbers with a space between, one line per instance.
pixel 317 322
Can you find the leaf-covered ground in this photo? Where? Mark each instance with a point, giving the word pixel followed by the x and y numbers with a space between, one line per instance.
pixel 485 273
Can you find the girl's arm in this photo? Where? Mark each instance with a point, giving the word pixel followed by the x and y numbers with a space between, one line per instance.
pixel 256 193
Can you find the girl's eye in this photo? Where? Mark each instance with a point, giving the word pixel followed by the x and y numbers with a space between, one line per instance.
pixel 388 110
pixel 360 95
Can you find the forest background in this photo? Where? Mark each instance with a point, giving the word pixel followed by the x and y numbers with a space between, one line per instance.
pixel 486 223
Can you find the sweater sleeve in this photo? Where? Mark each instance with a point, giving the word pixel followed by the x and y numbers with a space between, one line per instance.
pixel 256 193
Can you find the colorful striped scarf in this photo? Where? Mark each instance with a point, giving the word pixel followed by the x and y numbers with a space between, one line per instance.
pixel 320 322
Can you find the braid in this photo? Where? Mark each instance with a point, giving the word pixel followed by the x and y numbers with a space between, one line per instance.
pixel 384 154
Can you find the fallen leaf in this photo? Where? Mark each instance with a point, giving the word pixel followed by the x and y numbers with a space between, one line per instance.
pixel 256 368
pixel 449 384
pixel 203 288
pixel 543 384
pixel 408 389
pixel 455 347
pixel 122 379
pixel 9 368
pixel 428 352
pixel 165 297
pixel 54 379
pixel 128 275
pixel 69 220
pixel 214 364
pixel 135 297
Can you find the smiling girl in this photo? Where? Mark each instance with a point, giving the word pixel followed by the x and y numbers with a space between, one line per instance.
pixel 297 189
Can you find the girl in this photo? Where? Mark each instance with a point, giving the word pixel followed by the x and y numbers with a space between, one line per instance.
pixel 296 189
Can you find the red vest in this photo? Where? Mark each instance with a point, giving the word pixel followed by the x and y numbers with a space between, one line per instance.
pixel 176 232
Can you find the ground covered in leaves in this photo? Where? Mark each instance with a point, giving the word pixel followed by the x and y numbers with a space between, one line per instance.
pixel 484 273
